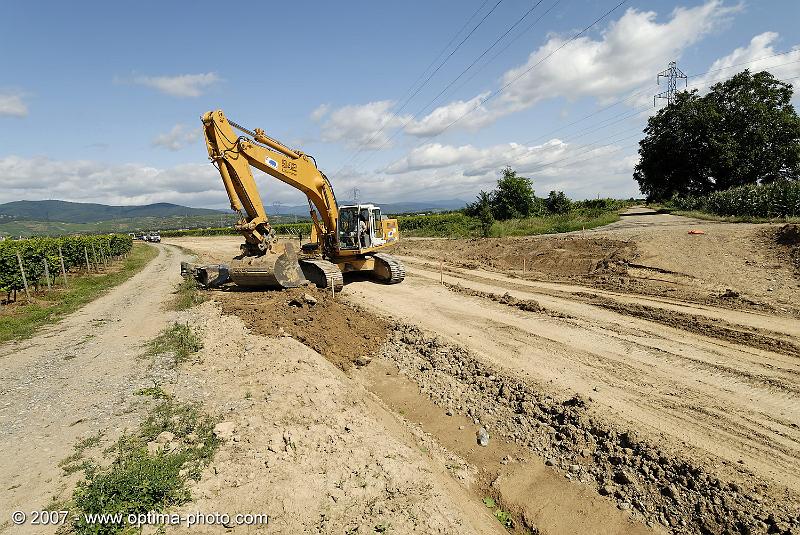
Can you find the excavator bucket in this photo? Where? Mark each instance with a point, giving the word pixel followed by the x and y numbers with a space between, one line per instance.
pixel 277 268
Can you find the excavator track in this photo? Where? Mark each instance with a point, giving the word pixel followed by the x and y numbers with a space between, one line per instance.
pixel 322 273
pixel 396 268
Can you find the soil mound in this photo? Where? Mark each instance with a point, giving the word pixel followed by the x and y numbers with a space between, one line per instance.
pixel 788 235
pixel 340 332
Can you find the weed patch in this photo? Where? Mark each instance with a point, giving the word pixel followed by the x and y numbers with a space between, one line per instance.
pixel 187 295
pixel 155 392
pixel 142 478
pixel 178 339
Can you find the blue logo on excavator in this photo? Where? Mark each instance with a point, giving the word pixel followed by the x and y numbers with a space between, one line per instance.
pixel 272 163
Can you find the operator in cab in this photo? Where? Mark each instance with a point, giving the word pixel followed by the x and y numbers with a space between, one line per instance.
pixel 363 228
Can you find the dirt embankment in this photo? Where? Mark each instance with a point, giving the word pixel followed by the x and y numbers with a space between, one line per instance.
pixel 640 476
pixel 733 266
pixel 562 256
pixel 307 446
pixel 682 431
pixel 787 239
pixel 341 333
pixel 653 484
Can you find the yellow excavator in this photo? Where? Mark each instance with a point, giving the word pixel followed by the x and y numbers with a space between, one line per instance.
pixel 343 238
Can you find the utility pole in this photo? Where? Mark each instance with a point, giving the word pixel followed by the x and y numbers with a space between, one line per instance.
pixel 672 73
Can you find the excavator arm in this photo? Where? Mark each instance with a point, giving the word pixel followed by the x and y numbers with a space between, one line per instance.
pixel 234 155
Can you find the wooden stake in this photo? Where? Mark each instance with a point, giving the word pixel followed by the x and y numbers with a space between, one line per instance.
pixel 63 269
pixel 47 275
pixel 24 280
pixel 86 256
pixel 524 260
pixel 441 271
pixel 103 256
pixel 94 255
pixel 333 289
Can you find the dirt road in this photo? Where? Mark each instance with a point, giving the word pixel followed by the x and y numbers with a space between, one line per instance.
pixel 74 380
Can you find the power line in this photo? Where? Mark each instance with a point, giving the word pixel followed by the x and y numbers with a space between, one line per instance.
pixel 532 67
pixel 636 134
pixel 464 71
pixel 527 71
pixel 512 41
pixel 425 82
pixel 672 73
pixel 648 88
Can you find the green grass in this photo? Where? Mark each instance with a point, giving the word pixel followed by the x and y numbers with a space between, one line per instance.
pixel 458 225
pixel 20 321
pixel 138 481
pixel 187 295
pixel 553 224
pixel 75 462
pixel 178 339
pixel 155 392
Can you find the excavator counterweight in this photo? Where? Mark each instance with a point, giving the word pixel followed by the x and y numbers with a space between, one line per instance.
pixel 343 238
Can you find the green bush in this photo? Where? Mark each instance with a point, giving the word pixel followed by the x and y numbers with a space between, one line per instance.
pixel 139 481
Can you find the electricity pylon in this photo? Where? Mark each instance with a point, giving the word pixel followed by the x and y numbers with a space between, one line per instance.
pixel 672 74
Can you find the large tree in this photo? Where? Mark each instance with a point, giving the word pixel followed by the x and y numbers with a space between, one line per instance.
pixel 744 131
pixel 513 197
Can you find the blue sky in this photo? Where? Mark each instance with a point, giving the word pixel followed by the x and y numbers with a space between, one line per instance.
pixel 100 101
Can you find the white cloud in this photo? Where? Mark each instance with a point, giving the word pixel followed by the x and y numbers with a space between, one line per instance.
pixel 319 112
pixel 12 105
pixel 432 156
pixel 182 85
pixel 440 171
pixel 442 117
pixel 177 138
pixel 368 125
pixel 91 181
pixel 627 54
pixel 760 46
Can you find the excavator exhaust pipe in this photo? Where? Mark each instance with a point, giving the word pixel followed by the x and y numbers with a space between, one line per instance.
pixel 279 267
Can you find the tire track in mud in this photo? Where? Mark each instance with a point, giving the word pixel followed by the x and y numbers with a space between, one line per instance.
pixel 531 305
pixel 768 341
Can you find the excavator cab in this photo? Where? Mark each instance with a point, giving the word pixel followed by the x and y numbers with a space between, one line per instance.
pixel 361 226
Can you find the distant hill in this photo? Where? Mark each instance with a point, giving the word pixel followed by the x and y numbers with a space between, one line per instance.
pixel 387 208
pixel 31 218
pixel 75 212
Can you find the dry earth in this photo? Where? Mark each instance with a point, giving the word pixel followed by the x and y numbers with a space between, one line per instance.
pixel 633 379
pixel 690 342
